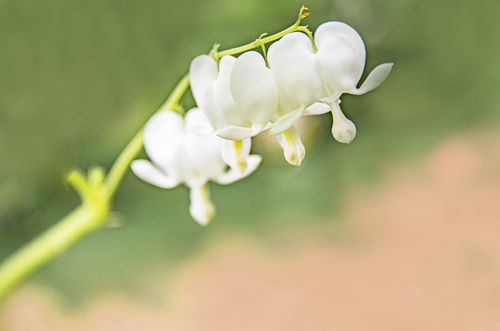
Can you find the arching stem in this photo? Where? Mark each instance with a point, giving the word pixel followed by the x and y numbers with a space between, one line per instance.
pixel 97 191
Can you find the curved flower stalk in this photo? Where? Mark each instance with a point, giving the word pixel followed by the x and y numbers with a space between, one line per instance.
pixel 185 150
pixel 239 95
pixel 313 74
pixel 240 98
pixel 98 195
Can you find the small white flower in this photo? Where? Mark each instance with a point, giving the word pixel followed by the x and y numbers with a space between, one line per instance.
pixel 311 83
pixel 185 150
pixel 239 95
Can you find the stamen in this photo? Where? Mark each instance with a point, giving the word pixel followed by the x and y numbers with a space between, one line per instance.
pixel 241 159
pixel 293 148
pixel 289 138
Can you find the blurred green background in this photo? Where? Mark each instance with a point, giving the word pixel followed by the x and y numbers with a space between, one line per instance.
pixel 79 78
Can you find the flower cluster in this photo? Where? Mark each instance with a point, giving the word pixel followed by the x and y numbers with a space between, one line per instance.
pixel 238 98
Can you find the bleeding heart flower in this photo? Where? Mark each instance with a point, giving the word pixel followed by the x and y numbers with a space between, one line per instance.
pixel 185 150
pixel 311 81
pixel 238 95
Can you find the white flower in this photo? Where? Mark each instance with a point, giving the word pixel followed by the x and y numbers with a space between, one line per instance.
pixel 311 82
pixel 239 95
pixel 240 98
pixel 185 150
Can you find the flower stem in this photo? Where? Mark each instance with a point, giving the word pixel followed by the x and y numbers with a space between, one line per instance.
pixel 304 13
pixel 119 168
pixel 97 194
pixel 47 246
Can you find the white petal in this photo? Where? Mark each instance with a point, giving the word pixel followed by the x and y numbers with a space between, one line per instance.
pixel 375 78
pixel 341 56
pixel 201 208
pixel 267 126
pixel 204 158
pixel 212 110
pixel 343 129
pixel 228 112
pixel 146 171
pixel 293 62
pixel 285 122
pixel 162 135
pixel 239 132
pixel 197 122
pixel 235 153
pixel 317 108
pixel 337 29
pixel 253 88
pixel 202 74
pixel 293 148
pixel 233 175
pixel 224 98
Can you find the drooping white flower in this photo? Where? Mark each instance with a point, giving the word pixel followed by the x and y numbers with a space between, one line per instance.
pixel 310 82
pixel 241 98
pixel 239 95
pixel 185 150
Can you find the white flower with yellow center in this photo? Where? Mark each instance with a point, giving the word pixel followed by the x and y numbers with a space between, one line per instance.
pixel 185 150
pixel 311 81
pixel 239 95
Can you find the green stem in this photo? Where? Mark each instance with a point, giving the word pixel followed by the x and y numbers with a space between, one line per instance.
pixel 92 214
pixel 119 168
pixel 303 13
pixel 47 246
pixel 306 30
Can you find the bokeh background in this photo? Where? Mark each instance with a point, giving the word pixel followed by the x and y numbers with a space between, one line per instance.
pixel 400 226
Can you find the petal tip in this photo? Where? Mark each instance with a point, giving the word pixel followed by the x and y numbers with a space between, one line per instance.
pixel 344 135
pixel 201 208
pixel 233 132
pixel 375 78
pixel 293 149
pixel 204 222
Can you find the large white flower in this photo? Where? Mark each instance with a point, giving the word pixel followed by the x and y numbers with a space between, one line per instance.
pixel 239 95
pixel 311 81
pixel 185 150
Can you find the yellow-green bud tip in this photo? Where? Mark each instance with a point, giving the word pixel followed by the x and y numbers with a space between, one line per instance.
pixel 304 12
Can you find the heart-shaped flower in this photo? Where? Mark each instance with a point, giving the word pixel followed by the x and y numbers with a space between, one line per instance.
pixel 239 95
pixel 186 150
pixel 311 81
